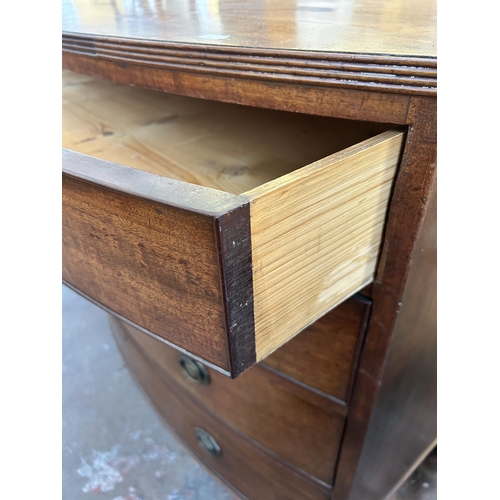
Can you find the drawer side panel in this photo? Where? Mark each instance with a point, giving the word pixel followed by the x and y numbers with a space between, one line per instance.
pixel 316 235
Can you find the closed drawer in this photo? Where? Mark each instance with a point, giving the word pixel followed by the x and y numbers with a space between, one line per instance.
pixel 219 239
pixel 300 426
pixel 247 468
pixel 324 355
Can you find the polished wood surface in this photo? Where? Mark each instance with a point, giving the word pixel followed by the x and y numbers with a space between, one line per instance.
pixel 324 356
pixel 355 44
pixel 316 236
pixel 300 426
pixel 116 250
pixel 391 27
pixel 336 101
pixel 245 465
pixel 409 75
pixel 119 240
pixel 222 146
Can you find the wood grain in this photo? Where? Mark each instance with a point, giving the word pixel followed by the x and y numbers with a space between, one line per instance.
pixel 408 205
pixel 342 70
pixel 131 255
pixel 407 397
pixel 105 106
pixel 247 466
pixel 348 103
pixel 316 236
pixel 232 230
pixel 390 28
pixel 299 426
pixel 324 355
pixel 251 297
pixel 364 60
pixel 222 146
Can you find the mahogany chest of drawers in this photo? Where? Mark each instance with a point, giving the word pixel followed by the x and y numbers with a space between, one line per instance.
pixel 253 202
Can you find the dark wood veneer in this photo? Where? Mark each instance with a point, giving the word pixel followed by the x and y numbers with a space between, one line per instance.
pixel 298 425
pixel 402 75
pixel 232 231
pixel 247 467
pixel 324 355
pixel 124 245
pixel 358 27
pixel 351 104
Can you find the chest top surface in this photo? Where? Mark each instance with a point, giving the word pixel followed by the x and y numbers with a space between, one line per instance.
pixel 384 27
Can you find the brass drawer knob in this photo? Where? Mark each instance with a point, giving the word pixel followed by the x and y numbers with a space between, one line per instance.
pixel 207 442
pixel 194 370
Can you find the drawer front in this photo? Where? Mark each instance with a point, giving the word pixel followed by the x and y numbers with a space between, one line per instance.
pixel 248 469
pixel 226 277
pixel 132 255
pixel 324 355
pixel 297 424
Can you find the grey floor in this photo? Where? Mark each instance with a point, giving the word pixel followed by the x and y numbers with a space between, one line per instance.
pixel 114 445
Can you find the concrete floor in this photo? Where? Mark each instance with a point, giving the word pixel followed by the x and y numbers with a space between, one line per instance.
pixel 115 446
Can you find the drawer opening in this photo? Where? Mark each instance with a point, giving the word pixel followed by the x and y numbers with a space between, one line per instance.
pixel 255 224
pixel 228 147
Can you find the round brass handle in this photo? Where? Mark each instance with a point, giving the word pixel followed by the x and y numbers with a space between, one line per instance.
pixel 194 370
pixel 207 442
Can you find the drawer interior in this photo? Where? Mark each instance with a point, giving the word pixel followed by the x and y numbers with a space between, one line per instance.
pixel 223 146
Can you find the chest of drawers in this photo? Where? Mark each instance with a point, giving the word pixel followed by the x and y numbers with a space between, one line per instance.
pixel 256 212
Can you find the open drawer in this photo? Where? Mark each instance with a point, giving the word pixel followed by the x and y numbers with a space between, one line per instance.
pixel 218 240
